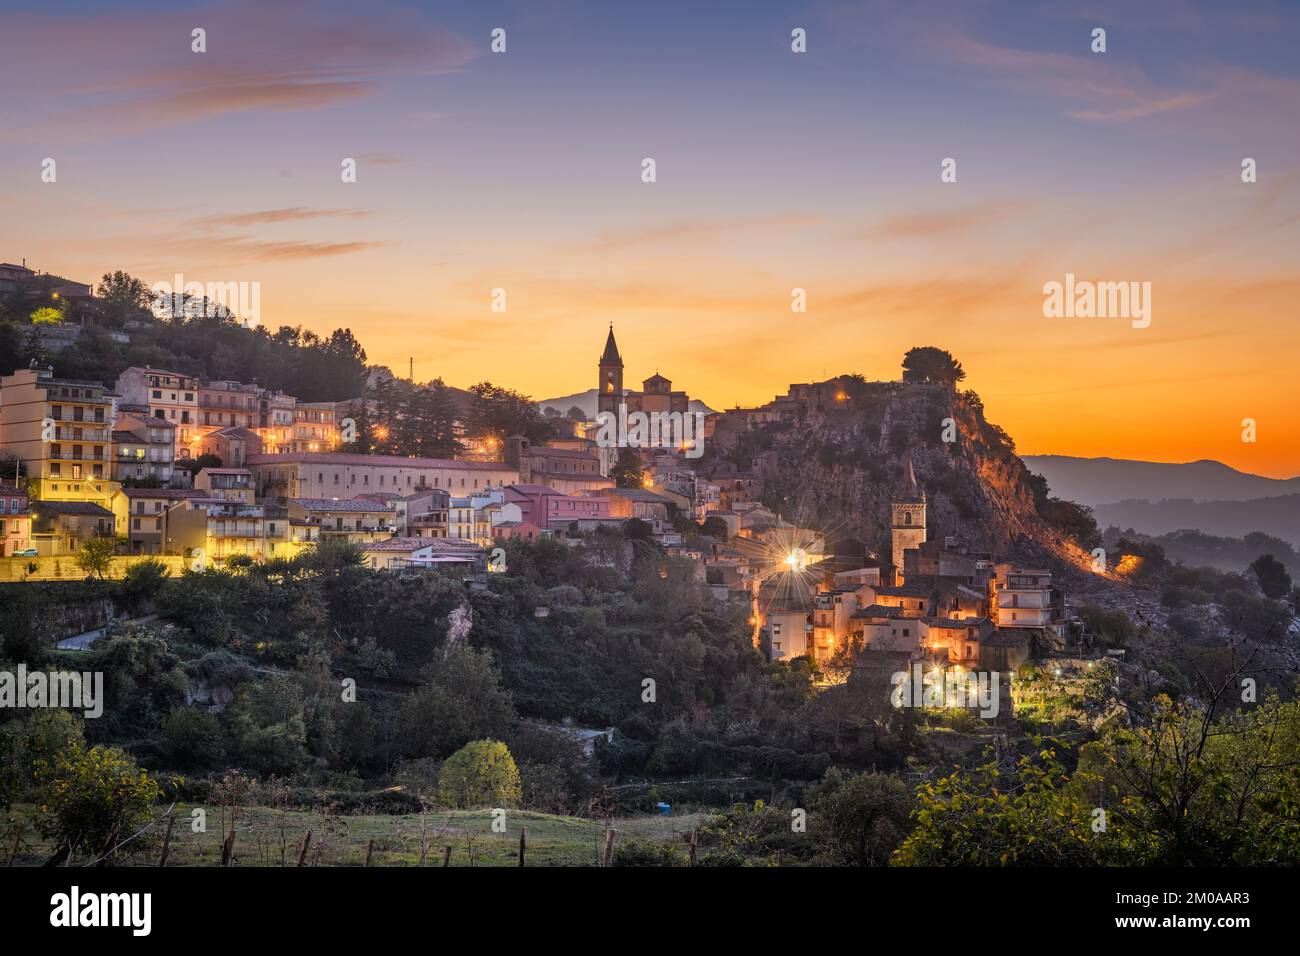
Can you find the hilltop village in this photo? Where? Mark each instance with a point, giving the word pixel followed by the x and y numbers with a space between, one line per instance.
pixel 199 473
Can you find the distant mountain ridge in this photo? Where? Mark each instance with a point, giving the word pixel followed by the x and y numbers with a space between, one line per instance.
pixel 1103 481
pixel 587 402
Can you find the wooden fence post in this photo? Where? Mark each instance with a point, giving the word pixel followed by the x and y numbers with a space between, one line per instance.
pixel 693 835
pixel 13 850
pixel 370 848
pixel 228 848
pixel 523 844
pixel 609 847
pixel 306 843
pixel 167 841
pixel 446 857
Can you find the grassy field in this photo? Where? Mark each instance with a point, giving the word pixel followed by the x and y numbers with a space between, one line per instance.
pixel 266 836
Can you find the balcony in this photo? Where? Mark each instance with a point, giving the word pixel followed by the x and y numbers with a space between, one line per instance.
pixel 91 434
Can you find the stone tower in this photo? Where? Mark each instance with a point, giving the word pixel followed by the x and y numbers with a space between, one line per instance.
pixel 610 389
pixel 909 521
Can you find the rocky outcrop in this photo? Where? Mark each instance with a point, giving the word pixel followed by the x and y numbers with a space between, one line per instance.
pixel 840 466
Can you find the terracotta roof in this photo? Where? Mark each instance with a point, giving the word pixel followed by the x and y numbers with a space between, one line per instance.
pixel 226 471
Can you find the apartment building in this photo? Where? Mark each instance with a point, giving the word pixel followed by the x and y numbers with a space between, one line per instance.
pixel 141 514
pixel 215 529
pixel 225 484
pixel 1026 597
pixel 62 527
pixel 227 404
pixel 315 427
pixel 62 431
pixel 171 396
pixel 143 447
pixel 276 422
pixel 342 475
pixel 358 520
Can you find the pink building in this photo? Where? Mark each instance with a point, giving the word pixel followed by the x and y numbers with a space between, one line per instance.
pixel 15 521
pixel 542 506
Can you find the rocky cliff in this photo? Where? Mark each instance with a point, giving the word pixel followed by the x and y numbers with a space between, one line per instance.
pixel 839 465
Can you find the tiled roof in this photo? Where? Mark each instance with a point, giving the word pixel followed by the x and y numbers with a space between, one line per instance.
pixel 907 590
pixel 534 489
pixel 957 625
pixel 878 610
pixel 174 493
pixel 85 508
pixel 442 545
pixel 227 471
pixel 561 453
pixel 345 504
pixel 635 494
pixel 385 461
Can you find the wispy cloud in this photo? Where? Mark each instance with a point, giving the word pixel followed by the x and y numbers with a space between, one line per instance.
pixel 128 72
pixel 943 222
pixel 289 214
pixel 702 229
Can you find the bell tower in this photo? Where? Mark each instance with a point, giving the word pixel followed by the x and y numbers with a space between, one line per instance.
pixel 609 391
pixel 909 521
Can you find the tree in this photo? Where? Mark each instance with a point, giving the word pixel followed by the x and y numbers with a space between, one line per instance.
pixel 267 726
pixel 482 773
pixel 92 799
pixel 714 527
pixel 501 412
pixel 461 699
pixel 576 414
pixel 1272 575
pixel 865 816
pixel 144 579
pixel 96 556
pixel 123 297
pixel 47 316
pixel 627 471
pixel 933 365
pixel 191 738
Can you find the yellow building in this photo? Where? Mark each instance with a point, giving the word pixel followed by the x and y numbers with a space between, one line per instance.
pixel 62 431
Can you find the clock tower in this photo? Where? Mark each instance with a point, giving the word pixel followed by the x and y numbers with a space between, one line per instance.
pixel 610 388
pixel 909 521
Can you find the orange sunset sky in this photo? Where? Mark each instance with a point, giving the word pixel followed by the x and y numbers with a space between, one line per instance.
pixel 775 170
